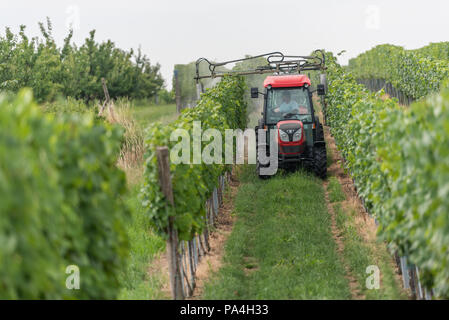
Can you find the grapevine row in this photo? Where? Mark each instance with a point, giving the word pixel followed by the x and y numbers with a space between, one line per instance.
pixel 221 107
pixel 60 204
pixel 398 160
pixel 415 73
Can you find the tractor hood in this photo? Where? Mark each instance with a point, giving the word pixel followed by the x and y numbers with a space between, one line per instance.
pixel 291 137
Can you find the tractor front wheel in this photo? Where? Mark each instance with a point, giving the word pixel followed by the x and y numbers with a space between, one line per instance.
pixel 320 161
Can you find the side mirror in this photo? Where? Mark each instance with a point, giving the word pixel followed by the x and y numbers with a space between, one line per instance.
pixel 254 93
pixel 321 90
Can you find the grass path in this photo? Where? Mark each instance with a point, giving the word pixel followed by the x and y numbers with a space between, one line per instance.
pixel 145 247
pixel 281 246
pixel 333 193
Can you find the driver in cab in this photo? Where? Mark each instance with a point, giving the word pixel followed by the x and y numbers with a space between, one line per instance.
pixel 290 106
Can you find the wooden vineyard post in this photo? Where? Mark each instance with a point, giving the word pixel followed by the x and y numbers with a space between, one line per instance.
pixel 107 102
pixel 106 91
pixel 106 94
pixel 172 242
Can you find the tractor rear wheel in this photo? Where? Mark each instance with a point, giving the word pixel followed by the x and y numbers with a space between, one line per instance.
pixel 320 132
pixel 320 161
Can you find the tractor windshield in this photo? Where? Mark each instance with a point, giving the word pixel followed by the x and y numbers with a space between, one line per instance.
pixel 288 104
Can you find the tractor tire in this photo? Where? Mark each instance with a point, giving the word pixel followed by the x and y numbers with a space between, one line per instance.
pixel 320 132
pixel 319 166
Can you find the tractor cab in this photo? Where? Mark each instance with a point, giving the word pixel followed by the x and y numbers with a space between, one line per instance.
pixel 287 97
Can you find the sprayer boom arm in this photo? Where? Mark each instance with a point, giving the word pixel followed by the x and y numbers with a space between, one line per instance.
pixel 277 62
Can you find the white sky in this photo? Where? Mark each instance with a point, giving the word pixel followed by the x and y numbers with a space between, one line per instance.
pixel 180 31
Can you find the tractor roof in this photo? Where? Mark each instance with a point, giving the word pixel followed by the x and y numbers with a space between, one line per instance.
pixel 297 80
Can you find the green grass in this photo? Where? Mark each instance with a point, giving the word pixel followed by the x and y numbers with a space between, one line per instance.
pixel 359 254
pixel 336 193
pixel 281 246
pixel 144 247
pixel 146 113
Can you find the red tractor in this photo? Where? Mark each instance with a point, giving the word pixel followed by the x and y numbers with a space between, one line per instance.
pixel 288 111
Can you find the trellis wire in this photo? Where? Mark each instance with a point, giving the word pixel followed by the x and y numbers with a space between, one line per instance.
pixel 191 252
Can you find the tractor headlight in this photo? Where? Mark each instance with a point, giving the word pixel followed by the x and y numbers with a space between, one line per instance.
pixel 284 136
pixel 298 135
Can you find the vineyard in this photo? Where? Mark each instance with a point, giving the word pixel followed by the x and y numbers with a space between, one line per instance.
pixel 415 73
pixel 397 157
pixel 221 107
pixel 94 190
pixel 60 203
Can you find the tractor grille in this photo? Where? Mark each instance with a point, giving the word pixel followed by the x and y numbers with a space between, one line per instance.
pixel 290 149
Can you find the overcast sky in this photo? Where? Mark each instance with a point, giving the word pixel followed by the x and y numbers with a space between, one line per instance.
pixel 180 31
